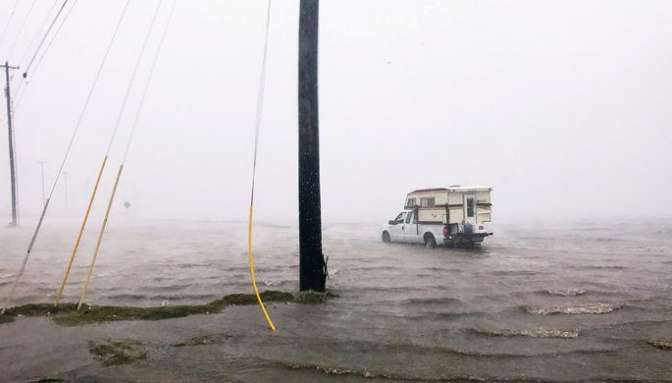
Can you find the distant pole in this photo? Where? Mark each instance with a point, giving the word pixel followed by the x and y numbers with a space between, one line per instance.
pixel 44 198
pixel 65 185
pixel 12 162
pixel 312 269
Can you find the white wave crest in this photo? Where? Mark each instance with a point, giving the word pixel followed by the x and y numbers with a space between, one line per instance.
pixel 594 308
pixel 538 332
pixel 566 292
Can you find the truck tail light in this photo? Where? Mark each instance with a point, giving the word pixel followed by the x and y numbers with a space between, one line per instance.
pixel 446 232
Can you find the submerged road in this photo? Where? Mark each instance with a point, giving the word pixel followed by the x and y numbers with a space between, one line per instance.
pixel 564 303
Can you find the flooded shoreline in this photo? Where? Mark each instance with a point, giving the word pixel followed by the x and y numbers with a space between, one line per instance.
pixel 531 305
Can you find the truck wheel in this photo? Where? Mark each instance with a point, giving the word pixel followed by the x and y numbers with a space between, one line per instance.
pixel 386 237
pixel 430 242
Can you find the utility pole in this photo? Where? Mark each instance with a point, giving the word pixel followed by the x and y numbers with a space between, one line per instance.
pixel 12 162
pixel 44 200
pixel 312 268
pixel 65 184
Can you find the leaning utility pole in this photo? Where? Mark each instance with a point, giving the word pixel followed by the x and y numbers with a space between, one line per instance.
pixel 12 164
pixel 312 268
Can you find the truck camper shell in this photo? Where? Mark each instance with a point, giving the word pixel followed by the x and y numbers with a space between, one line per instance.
pixel 452 205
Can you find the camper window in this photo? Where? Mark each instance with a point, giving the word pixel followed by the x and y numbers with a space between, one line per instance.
pixel 427 202
pixel 470 207
pixel 411 203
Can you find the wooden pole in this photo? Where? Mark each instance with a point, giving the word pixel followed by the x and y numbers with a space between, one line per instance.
pixel 12 161
pixel 312 269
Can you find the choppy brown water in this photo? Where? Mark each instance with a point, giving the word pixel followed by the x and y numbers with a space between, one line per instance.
pixel 578 302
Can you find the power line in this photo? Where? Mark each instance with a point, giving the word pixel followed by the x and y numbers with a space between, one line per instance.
pixel 67 153
pixel 59 293
pixel 145 91
pixel 21 28
pixel 44 38
pixel 22 84
pixel 39 31
pixel 9 22
pixel 90 94
pixel 22 89
pixel 101 233
pixel 131 82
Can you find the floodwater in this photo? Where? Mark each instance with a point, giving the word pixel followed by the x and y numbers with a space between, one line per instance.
pixel 588 301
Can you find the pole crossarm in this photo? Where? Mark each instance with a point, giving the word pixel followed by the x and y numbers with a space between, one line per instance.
pixel 10 67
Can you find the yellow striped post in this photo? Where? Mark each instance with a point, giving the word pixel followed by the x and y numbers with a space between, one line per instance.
pixel 99 241
pixel 59 293
pixel 252 274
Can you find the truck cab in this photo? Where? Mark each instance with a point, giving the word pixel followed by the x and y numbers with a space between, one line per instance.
pixel 403 227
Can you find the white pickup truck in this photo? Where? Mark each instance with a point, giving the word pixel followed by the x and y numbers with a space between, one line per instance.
pixel 455 216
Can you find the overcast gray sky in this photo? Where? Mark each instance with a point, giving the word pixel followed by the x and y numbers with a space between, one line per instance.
pixel 563 107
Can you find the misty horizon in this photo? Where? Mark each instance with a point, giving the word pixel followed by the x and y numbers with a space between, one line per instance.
pixel 561 108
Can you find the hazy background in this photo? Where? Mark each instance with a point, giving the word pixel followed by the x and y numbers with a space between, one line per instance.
pixel 563 107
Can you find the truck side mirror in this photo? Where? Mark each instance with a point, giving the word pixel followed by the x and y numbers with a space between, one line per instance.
pixel 392 222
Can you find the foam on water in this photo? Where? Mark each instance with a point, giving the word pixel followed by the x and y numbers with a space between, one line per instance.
pixel 538 332
pixel 591 308
pixel 570 292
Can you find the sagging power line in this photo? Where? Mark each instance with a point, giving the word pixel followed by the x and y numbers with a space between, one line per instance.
pixel 143 97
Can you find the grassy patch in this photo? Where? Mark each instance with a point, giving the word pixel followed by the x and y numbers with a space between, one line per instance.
pixel 661 344
pixel 312 297
pixel 95 314
pixel 250 299
pixel 113 353
pixel 67 314
pixel 39 309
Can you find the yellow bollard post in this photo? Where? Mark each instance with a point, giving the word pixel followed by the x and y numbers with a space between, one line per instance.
pixel 252 274
pixel 99 241
pixel 59 293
